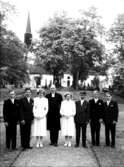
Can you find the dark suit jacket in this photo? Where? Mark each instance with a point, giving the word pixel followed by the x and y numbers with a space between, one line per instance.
pixel 110 112
pixel 11 111
pixel 96 110
pixel 26 110
pixel 82 112
pixel 53 115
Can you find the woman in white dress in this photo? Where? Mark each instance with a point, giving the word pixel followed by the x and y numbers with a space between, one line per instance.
pixel 68 110
pixel 40 110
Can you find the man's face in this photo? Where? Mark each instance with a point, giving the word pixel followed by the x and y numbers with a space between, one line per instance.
pixel 28 93
pixel 108 97
pixel 96 94
pixel 12 95
pixel 53 90
pixel 82 96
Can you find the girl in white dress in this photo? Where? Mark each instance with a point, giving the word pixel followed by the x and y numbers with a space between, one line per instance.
pixel 40 110
pixel 68 110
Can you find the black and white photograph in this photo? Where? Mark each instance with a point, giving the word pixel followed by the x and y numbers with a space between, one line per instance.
pixel 62 83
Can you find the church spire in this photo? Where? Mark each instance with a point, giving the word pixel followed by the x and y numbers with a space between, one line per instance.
pixel 28 28
pixel 28 35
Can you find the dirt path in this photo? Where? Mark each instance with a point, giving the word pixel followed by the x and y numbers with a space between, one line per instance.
pixel 57 157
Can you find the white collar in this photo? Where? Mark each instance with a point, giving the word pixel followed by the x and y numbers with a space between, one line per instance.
pixel 108 102
pixel 53 95
pixel 82 101
pixel 12 100
pixel 96 99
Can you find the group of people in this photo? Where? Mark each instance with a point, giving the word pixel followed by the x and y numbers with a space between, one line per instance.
pixel 52 112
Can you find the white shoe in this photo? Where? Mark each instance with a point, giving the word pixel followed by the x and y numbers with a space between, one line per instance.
pixel 66 144
pixel 37 145
pixel 69 144
pixel 41 145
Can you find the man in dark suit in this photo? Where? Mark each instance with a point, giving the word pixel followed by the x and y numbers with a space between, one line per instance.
pixel 53 116
pixel 26 118
pixel 110 119
pixel 96 115
pixel 81 119
pixel 11 116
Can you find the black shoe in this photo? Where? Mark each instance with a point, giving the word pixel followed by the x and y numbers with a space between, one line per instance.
pixel 112 146
pixel 29 147
pixel 51 144
pixel 55 144
pixel 84 145
pixel 93 143
pixel 107 145
pixel 97 144
pixel 14 149
pixel 76 145
pixel 23 149
pixel 7 149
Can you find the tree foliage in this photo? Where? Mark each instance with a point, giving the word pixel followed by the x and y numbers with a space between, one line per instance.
pixel 116 36
pixel 71 45
pixel 12 65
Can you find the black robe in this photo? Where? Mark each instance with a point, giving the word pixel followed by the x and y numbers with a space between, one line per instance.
pixel 53 116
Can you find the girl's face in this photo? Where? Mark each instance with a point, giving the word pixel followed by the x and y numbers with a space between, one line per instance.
pixel 41 94
pixel 68 97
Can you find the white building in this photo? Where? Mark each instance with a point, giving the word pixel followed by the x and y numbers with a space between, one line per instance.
pixel 67 80
pixel 46 80
pixel 42 80
pixel 105 81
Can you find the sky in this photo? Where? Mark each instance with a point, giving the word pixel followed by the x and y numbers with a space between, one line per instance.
pixel 42 10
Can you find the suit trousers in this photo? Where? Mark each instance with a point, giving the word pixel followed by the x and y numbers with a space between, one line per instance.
pixel 54 136
pixel 110 129
pixel 25 134
pixel 95 133
pixel 11 135
pixel 79 127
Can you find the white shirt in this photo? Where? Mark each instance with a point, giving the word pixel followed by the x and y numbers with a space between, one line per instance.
pixel 82 101
pixel 108 102
pixel 96 100
pixel 53 94
pixel 68 108
pixel 40 108
pixel 12 100
pixel 28 98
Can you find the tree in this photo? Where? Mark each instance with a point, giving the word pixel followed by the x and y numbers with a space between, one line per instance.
pixel 70 45
pixel 49 51
pixel 116 36
pixel 12 65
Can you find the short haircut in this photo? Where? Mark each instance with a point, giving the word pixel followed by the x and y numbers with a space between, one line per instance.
pixel 11 90
pixel 83 93
pixel 53 86
pixel 108 93
pixel 41 90
pixel 27 89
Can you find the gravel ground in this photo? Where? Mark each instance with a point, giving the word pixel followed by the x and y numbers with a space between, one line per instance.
pixel 7 157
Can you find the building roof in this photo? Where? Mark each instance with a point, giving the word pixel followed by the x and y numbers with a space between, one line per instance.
pixel 36 70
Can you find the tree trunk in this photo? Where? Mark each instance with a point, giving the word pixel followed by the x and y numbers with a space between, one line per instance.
pixel 75 80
